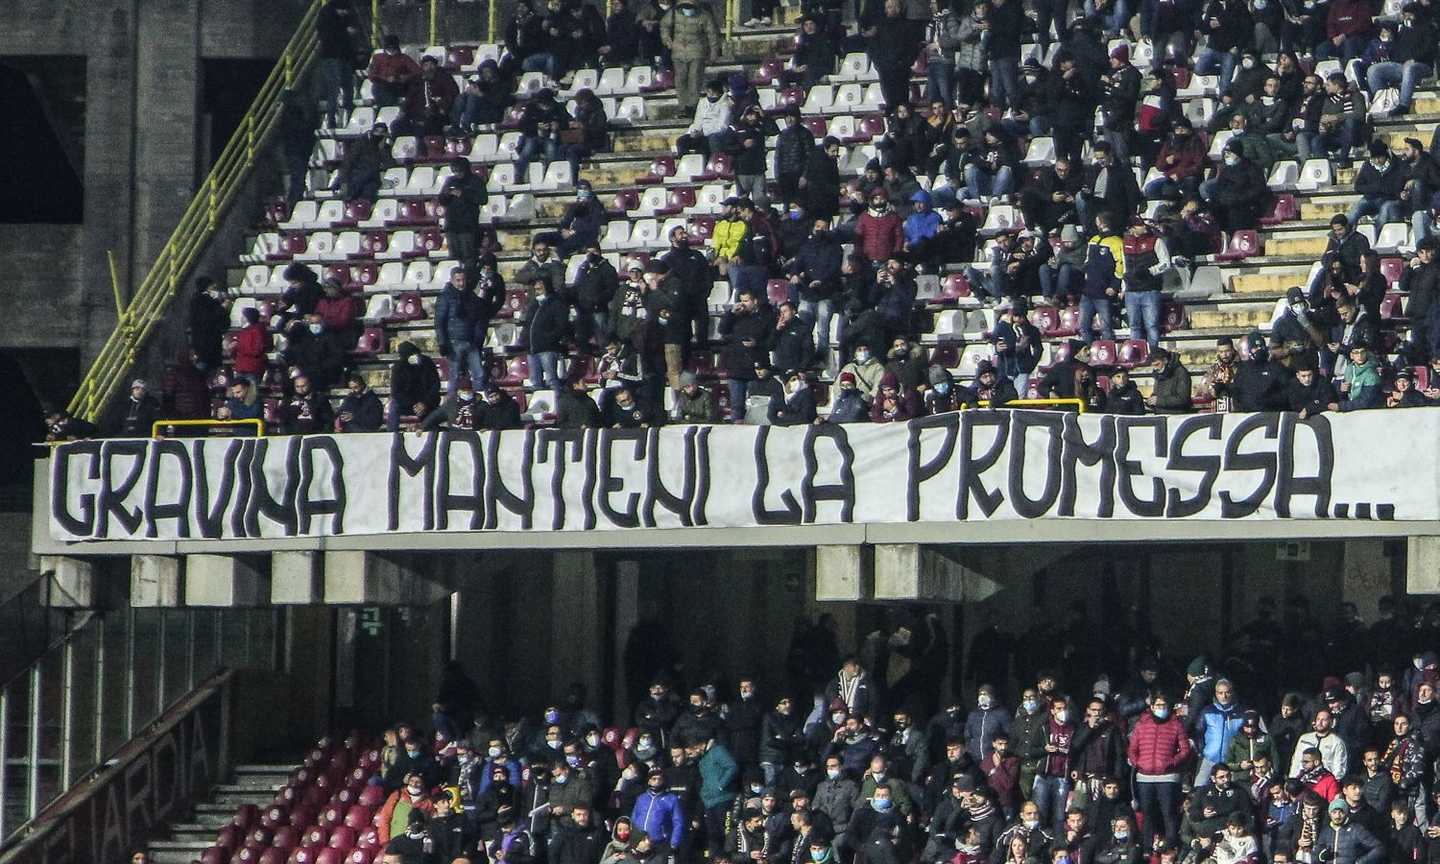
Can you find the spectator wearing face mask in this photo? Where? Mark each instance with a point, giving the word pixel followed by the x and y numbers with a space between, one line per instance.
pixel 313 352
pixel 1159 749
pixel 693 40
pixel 793 147
pixel 796 407
pixel 414 386
pixel 461 410
pixel 409 801
pixel 1404 59
pixel 847 405
pixel 867 370
pixel 207 321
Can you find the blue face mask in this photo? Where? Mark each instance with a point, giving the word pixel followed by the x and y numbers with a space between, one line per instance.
pixel 1160 713
pixel 881 805
pixel 819 854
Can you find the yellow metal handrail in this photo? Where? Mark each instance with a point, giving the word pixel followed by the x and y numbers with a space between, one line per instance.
pixel 151 300
pixel 166 424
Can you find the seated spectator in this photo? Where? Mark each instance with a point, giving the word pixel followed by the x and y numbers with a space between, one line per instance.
pixel 366 159
pixel 1123 396
pixel 390 72
pixel 626 412
pixel 1347 30
pixel 1052 200
pixel 499 410
pixel 892 403
pixel 486 99
pixel 61 425
pixel 1238 190
pixel 694 403
pixel 1310 393
pixel 580 225
pixel 243 402
pixel 797 405
pixel 428 100
pixel 588 132
pixel 360 410
pixel 848 405
pixel 1342 119
pixel 765 386
pixel 867 370
pixel 1380 181
pixel 815 52
pixel 621 47
pixel 1171 394
pixel 526 38
pixel 302 291
pixel 1405 395
pixel 906 141
pixel 1360 388
pixel 306 411
pixel 540 126
pixel 1181 160
pixel 1062 380
pixel 941 396
pixel 709 129
pixel 990 387
pixel 1404 60
pixel 574 409
pixel 141 410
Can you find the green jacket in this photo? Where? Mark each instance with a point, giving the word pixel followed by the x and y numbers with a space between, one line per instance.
pixel 717 777
pixel 690 37
pixel 1028 735
pixel 1244 749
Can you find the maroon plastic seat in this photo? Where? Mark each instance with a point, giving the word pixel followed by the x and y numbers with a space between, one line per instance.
pixel 1135 352
pixel 332 815
pixel 316 796
pixel 274 816
pixel 700 228
pixel 302 778
pixel 231 837
pixel 247 855
pixel 1243 244
pixel 343 837
pixel 315 835
pixel 329 855
pixel 302 817
pixel 360 856
pixel 314 758
pixel 347 796
pixel 358 817
pixel 259 836
pixel 286 837
pixel 1172 316
pixel 1103 353
pixel 768 73
pixel 373 796
pixel 1282 209
pixel 245 816
pixel 368 839
pixel 358 775
pixel 274 855
pixel 660 168
pixel 215 855
pixel 305 855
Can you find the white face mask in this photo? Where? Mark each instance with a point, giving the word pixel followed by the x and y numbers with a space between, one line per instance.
pixel 413 360
pixel 1231 159
pixel 316 328
pixel 984 701
pixel 864 357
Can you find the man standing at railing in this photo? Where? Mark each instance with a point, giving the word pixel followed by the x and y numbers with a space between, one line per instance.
pixel 140 411
pixel 337 29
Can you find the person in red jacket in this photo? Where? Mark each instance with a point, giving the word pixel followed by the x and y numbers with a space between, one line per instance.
pixel 1159 749
pixel 337 310
pixel 1002 774
pixel 879 232
pixel 390 72
pixel 252 343
pixel 1347 30
pixel 1181 161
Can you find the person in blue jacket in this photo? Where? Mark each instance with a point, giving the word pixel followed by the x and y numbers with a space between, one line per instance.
pixel 1218 724
pixel 658 811
pixel 988 719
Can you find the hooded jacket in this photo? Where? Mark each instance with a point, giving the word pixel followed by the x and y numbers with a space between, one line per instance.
pixel 921 225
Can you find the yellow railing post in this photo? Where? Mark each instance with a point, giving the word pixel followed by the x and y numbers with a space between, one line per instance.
pixel 491 16
pixel 115 286
pixel 374 25
pixel 434 20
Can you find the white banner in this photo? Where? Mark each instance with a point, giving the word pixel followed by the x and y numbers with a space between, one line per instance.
pixel 972 465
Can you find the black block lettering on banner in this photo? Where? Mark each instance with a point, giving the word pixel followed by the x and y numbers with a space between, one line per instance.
pixel 702 477
pixel 1022 422
pixel 1127 469
pixel 1077 450
pixel 1287 485
pixel 334 506
pixel 560 438
pixel 498 495
pixel 242 488
pixel 211 517
pixel 609 484
pixel 917 473
pixel 844 491
pixel 84 525
pixel 1269 424
pixel 112 497
pixel 1177 507
pixel 764 516
pixel 971 468
pixel 402 463
pixel 182 475
pixel 262 502
pixel 655 490
pixel 446 500
pixel 593 437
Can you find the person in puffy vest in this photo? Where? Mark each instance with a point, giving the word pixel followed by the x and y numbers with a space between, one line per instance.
pixel 1147 257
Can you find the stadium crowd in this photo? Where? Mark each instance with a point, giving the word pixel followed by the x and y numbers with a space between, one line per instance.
pixel 611 344
pixel 1282 760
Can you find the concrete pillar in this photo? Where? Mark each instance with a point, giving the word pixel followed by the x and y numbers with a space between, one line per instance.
pixel 224 581
pixel 842 573
pixel 1365 575
pixel 576 649
pixel 627 613
pixel 372 579
pixel 297 578
pixel 154 580
pixel 1422 565
pixel 167 90
pixel 908 571
pixel 69 582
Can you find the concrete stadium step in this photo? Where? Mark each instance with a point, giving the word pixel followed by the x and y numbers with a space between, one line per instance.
pixel 271 776
pixel 1330 205
pixel 1233 315
pixel 177 852
pixel 1271 280
pixel 1293 244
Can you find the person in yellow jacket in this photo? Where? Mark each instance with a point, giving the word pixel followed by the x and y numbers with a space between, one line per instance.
pixel 1104 269
pixel 729 231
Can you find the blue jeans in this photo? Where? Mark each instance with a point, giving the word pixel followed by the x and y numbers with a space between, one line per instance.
pixel 939 81
pixel 1422 225
pixel 1392 74
pixel 1211 60
pixel 979 181
pixel 1005 81
pixel 542 62
pixel 1350 47
pixel 1055 282
pixel 548 149
pixel 466 356
pixel 1117 19
pixel 544 370
pixel 747 277
pixel 988 284
pixel 819 312
pixel 1143 310
pixel 1089 308
pixel 1164 187
pixel 1049 795
pixel 336 74
pixel 1383 211
pixel 737 399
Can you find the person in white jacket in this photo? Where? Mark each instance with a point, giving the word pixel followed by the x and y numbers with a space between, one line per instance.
pixel 1324 739
pixel 709 130
pixel 1236 845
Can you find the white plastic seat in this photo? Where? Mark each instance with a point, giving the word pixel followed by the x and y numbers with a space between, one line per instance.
pixel 1284 175
pixel 326 150
pixel 440 273
pixel 848 99
pixel 378 307
pixel 630 110
pixel 1200 85
pixel 422 177
pixel 330 212
pixel 556 176
pixel 686 167
pixel 1001 217
pixel 1199 111
pixel 362 117
pixel 521 207
pixel 710 199
pixel 616 235
pixel 719 296
pixel 1315 174
pixel 278 282
pixel 257 276
pixel 855 67
pixel 1392 237
pixel 1041 151
pixel 819 100
pixel 391 275
pixel 529 84
pixel 346 244
pixel 418 274
pixel 384 211
pixel 856 158
pixel 237 311
pixel 301 216
pixel 1217 144
pixel 842 127
pixel 509 146
pixel 611 82
pixel 484 148
pixel 394 180
pixel 502 177
pixel 585 79
pixel 652 199
pixel 645 233
pixel 401 243
pixel 637 78
pixel 874 99
pixel 767 97
pixel 387 115
pixel 405 148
